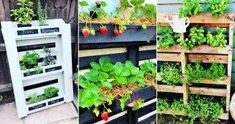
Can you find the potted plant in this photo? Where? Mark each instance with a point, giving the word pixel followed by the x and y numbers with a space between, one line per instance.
pixel 42 14
pixel 24 14
pixel 29 60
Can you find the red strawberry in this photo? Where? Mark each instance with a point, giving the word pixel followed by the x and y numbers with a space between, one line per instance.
pixel 120 32
pixel 105 116
pixel 142 20
pixel 103 30
pixel 85 32
pixel 116 32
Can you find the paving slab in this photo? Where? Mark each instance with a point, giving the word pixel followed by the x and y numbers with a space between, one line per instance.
pixel 62 114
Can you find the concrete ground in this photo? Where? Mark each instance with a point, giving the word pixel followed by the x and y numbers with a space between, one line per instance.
pixel 61 114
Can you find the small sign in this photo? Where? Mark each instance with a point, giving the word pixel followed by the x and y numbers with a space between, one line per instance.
pixel 53 69
pixel 27 32
pixel 37 106
pixel 50 30
pixel 55 101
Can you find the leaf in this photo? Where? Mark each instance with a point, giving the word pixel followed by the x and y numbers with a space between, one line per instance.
pixel 125 72
pixel 95 66
pixel 83 3
pixel 125 4
pixel 104 60
pixel 103 3
pixel 123 100
pixel 96 111
pixel 107 67
pixel 103 76
pixel 121 80
pixel 107 84
pixel 109 110
pixel 83 82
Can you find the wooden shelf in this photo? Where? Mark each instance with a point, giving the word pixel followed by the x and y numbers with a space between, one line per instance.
pixel 207 91
pixel 199 49
pixel 170 57
pixel 223 116
pixel 169 89
pixel 215 82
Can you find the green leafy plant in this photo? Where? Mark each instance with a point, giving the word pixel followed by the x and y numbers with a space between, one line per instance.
pixel 219 40
pixel 138 104
pixel 29 60
pixel 1 98
pixel 25 13
pixel 34 98
pixel 42 14
pixel 149 11
pixel 197 72
pixel 148 67
pixel 170 74
pixel 51 92
pixel 124 99
pixel 195 37
pixel 38 69
pixel 167 37
pixel 83 14
pixel 162 105
pixel 48 59
pixel 216 72
pixel 191 7
pixel 217 7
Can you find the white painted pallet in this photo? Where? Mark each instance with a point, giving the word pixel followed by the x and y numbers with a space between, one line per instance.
pixel 57 33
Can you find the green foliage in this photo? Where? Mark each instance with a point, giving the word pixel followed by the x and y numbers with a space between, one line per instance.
pixel 216 72
pixel 83 14
pixel 219 40
pixel 38 69
pixel 170 74
pixel 25 13
pixel 48 59
pixel 162 105
pixel 197 73
pixel 195 37
pixel 34 98
pixel 1 98
pixel 148 67
pixel 217 7
pixel 167 37
pixel 31 58
pixel 191 7
pixel 206 109
pixel 42 14
pixel 124 99
pixel 138 104
pixel 149 11
pixel 51 92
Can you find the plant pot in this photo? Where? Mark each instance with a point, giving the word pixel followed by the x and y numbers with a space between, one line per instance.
pixel 23 25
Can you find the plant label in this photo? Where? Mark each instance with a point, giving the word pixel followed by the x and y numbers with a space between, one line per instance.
pixel 27 32
pixel 53 69
pixel 55 101
pixel 37 106
pixel 50 30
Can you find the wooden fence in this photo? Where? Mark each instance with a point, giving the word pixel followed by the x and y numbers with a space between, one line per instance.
pixel 66 9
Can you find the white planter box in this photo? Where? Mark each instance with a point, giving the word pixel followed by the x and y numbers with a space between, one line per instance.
pixel 18 41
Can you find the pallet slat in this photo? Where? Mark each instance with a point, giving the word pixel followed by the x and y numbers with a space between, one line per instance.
pixel 207 91
pixel 223 59
pixel 198 49
pixel 223 116
pixel 168 57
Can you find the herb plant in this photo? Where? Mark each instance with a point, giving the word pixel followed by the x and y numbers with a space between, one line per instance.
pixel 195 37
pixel 38 69
pixel 51 92
pixel 42 14
pixel 219 40
pixel 167 37
pixel 25 13
pixel 217 7
pixel 48 59
pixel 29 60
pixel 148 67
pixel 197 72
pixel 170 74
pixel 34 98
pixel 191 7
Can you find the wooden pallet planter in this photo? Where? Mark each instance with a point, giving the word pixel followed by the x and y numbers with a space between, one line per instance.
pixel 57 37
pixel 205 54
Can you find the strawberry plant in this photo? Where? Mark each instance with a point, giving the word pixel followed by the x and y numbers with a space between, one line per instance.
pixel 217 7
pixel 103 83
pixel 219 40
pixel 148 67
pixel 170 74
pixel 167 37
pixel 138 104
pixel 191 7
